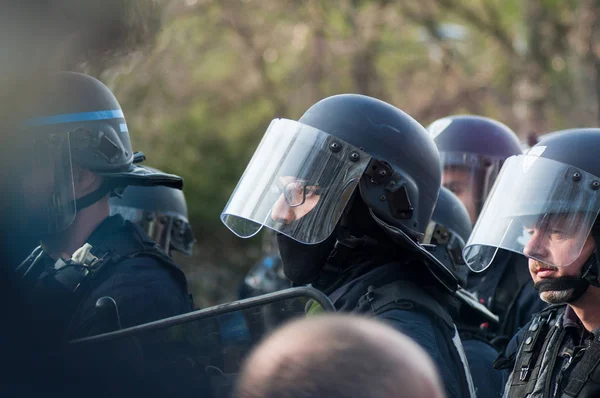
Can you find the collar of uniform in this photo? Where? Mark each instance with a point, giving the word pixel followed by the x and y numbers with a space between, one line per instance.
pixel 572 321
pixel 570 318
pixel 105 228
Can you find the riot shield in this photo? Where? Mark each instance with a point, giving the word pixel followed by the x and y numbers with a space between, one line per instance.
pixel 197 354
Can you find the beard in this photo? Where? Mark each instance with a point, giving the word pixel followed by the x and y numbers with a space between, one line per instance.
pixel 558 296
pixel 561 289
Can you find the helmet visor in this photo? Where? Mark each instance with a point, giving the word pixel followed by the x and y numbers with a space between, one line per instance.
pixel 297 183
pixel 449 246
pixel 182 236
pixel 538 207
pixel 470 177
pixel 171 231
pixel 45 190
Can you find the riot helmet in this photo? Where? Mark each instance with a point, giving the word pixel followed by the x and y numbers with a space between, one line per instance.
pixel 345 148
pixel 544 205
pixel 161 211
pixel 472 149
pixel 546 136
pixel 77 121
pixel 449 230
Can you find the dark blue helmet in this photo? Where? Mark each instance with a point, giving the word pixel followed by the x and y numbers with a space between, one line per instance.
pixel 341 143
pixel 347 152
pixel 549 194
pixel 161 211
pixel 77 121
pixel 472 149
pixel 405 168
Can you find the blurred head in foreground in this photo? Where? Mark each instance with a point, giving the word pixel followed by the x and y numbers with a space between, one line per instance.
pixel 338 356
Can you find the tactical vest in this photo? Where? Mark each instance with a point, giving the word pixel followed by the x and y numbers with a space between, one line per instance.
pixel 62 287
pixel 535 362
pixel 404 295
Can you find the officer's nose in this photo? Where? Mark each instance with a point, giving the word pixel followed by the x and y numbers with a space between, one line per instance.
pixel 281 212
pixel 537 246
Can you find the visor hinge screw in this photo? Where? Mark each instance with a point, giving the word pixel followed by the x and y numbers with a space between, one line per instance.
pixel 382 198
pixel 595 185
pixel 382 173
pixel 335 147
pixel 576 177
pixel 354 156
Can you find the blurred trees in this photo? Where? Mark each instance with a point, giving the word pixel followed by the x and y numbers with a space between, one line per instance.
pixel 200 99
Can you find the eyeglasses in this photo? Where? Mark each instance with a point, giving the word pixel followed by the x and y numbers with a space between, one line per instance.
pixel 295 192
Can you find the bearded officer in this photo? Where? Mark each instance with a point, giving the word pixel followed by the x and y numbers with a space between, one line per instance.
pixel 552 219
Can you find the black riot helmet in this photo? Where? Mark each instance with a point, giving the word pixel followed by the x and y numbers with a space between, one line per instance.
pixel 77 121
pixel 449 230
pixel 472 149
pixel 305 173
pixel 161 211
pixel 553 206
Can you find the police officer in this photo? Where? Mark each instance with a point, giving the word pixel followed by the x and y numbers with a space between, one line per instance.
pixel 161 212
pixel 552 219
pixel 80 154
pixel 350 189
pixel 473 150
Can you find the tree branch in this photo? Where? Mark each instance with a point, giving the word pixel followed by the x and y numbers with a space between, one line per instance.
pixel 471 16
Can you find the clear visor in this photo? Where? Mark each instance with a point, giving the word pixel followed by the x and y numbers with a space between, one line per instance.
pixel 45 187
pixel 170 231
pixel 449 246
pixel 470 177
pixel 538 207
pixel 297 183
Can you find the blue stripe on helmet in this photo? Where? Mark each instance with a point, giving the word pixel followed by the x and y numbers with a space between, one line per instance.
pixel 75 117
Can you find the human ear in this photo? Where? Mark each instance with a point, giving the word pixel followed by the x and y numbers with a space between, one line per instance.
pixel 85 181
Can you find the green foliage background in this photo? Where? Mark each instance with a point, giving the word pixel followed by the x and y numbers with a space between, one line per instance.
pixel 200 96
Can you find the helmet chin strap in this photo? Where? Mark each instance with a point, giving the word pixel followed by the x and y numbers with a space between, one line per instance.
pixel 579 284
pixel 93 197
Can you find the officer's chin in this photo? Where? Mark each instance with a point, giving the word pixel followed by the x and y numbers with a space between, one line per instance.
pixel 557 296
pixel 302 263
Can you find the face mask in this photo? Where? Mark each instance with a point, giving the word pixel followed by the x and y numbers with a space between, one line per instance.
pixel 302 263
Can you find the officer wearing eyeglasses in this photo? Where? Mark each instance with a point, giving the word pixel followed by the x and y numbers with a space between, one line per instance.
pixel 350 189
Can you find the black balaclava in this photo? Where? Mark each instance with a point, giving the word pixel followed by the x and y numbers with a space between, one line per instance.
pixel 356 246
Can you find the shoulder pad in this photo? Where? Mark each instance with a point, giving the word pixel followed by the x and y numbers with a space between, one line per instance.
pixel 403 295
